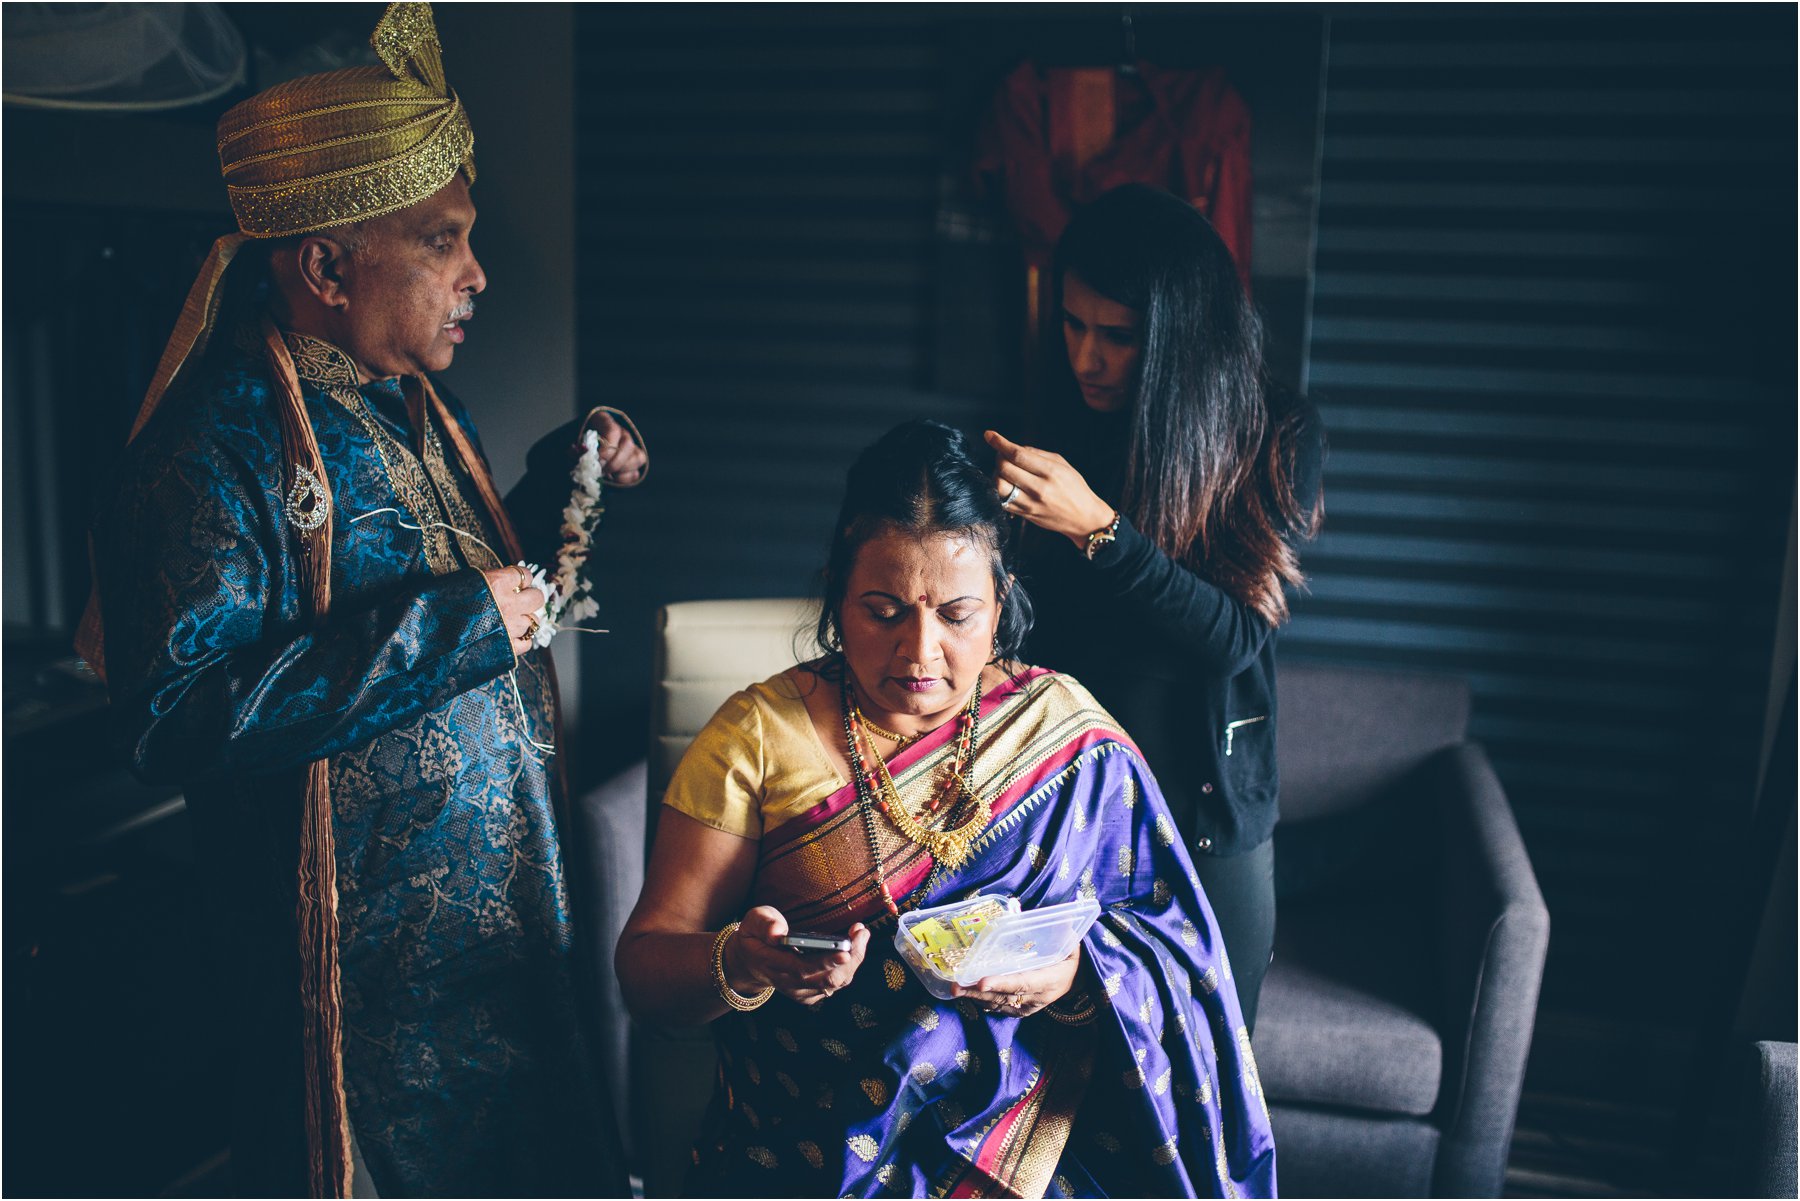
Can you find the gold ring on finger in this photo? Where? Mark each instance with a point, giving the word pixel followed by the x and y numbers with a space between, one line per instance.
pixel 531 629
pixel 524 579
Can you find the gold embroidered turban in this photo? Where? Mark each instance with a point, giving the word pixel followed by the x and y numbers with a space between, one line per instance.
pixel 326 150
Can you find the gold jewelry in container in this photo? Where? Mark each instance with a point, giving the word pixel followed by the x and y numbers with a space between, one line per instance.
pixel 730 995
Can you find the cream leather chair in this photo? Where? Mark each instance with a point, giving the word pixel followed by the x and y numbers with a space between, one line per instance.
pixel 706 651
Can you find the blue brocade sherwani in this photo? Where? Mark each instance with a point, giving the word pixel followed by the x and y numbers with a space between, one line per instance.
pixel 465 1069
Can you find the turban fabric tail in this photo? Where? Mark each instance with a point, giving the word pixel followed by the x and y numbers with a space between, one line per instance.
pixel 187 345
pixel 321 1001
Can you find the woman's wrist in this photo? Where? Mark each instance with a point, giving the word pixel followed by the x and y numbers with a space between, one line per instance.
pixel 1075 1005
pixel 1089 522
pixel 737 973
pixel 1073 1008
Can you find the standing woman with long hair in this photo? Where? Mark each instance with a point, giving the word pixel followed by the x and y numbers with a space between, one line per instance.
pixel 1172 485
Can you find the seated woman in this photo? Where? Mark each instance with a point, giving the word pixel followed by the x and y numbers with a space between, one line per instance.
pixel 912 765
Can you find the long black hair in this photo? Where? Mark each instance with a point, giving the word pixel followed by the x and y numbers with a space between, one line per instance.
pixel 1208 471
pixel 920 478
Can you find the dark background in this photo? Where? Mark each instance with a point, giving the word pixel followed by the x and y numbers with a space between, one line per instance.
pixel 1535 264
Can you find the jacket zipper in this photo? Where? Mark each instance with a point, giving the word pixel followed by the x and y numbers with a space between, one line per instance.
pixel 1231 728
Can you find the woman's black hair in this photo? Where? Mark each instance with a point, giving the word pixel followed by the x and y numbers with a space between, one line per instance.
pixel 1208 467
pixel 920 479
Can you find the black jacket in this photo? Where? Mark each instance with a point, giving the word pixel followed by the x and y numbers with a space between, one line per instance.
pixel 1188 671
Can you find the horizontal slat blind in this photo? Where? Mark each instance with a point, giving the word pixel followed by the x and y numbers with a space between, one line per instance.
pixel 757 190
pixel 1552 341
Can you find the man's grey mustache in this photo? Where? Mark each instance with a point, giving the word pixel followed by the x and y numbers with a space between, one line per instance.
pixel 462 312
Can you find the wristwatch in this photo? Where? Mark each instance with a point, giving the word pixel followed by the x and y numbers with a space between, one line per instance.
pixel 1100 537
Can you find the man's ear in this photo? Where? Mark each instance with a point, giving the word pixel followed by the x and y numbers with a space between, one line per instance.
pixel 322 266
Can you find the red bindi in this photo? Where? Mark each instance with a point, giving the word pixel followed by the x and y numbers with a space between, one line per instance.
pixel 921 598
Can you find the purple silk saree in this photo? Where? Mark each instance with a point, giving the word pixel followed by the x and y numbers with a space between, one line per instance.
pixel 883 1090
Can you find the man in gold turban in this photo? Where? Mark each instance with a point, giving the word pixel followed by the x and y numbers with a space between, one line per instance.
pixel 310 616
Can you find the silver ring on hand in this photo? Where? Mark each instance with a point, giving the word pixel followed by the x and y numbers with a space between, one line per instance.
pixel 1007 500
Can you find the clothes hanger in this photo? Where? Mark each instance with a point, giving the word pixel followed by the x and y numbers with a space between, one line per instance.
pixel 1128 60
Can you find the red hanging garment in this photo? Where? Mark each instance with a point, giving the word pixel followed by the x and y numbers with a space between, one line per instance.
pixel 1184 130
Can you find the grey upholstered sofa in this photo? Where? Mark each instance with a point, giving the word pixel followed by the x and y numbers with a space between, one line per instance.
pixel 1398 1010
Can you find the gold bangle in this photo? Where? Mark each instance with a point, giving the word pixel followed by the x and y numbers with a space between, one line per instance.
pixel 730 995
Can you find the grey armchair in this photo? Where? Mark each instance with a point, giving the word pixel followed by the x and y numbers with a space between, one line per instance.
pixel 1398 1010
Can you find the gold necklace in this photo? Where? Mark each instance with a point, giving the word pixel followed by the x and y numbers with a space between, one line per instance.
pixel 881 732
pixel 951 848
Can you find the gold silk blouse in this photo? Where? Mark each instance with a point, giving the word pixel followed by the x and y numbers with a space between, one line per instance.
pixel 757 763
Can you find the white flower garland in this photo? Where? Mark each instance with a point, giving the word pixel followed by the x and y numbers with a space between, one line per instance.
pixel 569 595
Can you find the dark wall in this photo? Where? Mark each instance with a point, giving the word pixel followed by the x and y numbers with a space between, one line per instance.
pixel 514 67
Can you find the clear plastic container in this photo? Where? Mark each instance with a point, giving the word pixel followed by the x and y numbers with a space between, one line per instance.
pixel 988 936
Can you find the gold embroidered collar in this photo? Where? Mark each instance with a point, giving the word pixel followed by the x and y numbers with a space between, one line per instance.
pixel 420 477
pixel 319 362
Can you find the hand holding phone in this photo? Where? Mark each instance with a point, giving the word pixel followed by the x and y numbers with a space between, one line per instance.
pixel 806 967
pixel 802 941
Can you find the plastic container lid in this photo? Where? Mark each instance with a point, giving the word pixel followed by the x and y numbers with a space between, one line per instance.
pixel 989 935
